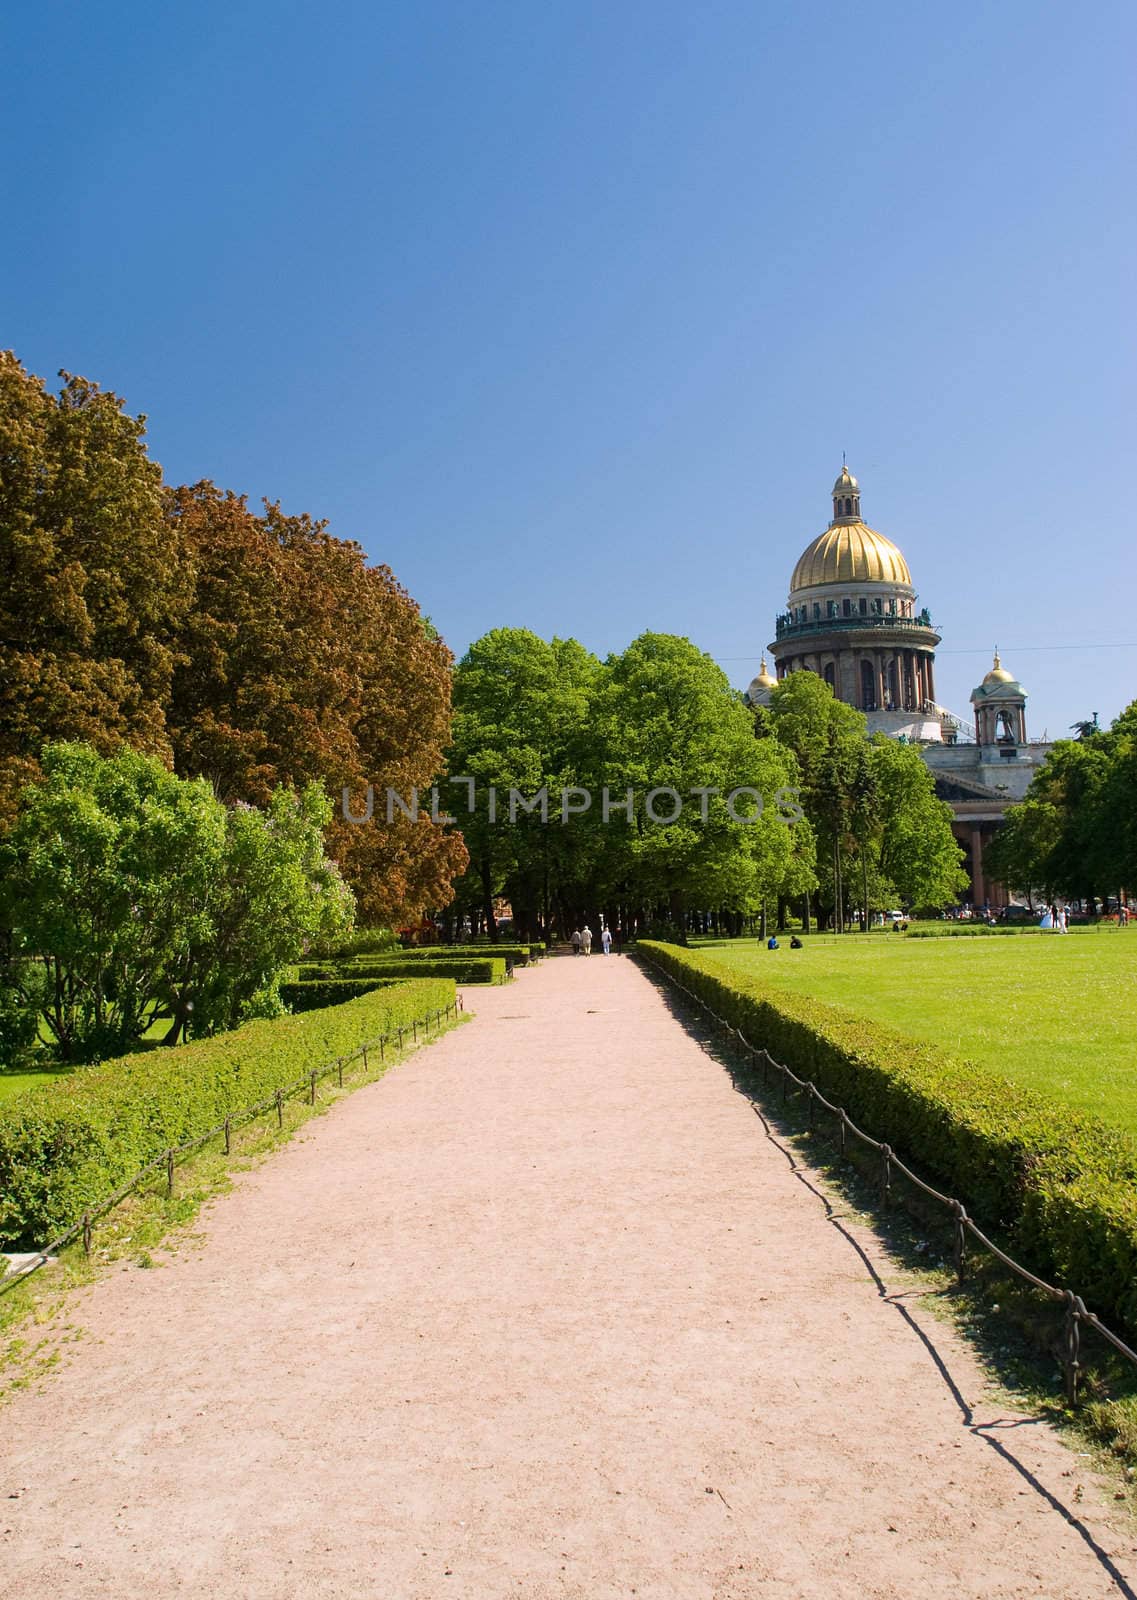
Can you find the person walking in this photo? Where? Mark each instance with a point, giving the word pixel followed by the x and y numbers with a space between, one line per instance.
pixel 586 939
pixel 606 939
pixel 576 941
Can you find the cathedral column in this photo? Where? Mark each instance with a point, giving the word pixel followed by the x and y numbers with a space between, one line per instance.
pixel 929 666
pixel 878 665
pixel 978 886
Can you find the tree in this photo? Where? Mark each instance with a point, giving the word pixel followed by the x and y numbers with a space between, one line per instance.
pixel 521 706
pixel 128 894
pixel 93 587
pixel 665 718
pixel 917 851
pixel 1076 832
pixel 301 662
pixel 827 738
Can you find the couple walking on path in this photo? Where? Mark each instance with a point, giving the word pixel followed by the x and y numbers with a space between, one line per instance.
pixel 582 940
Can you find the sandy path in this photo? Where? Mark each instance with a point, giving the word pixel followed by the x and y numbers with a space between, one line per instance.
pixel 540 1314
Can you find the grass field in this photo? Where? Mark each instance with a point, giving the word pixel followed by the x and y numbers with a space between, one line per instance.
pixel 12 1083
pixel 1056 1014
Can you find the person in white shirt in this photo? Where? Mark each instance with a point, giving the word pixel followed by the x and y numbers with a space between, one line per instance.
pixel 586 939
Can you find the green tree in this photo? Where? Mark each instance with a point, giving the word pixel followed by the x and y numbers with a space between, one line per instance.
pixel 666 719
pixel 127 894
pixel 917 851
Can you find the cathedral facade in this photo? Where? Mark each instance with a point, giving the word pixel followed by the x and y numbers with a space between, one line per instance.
pixel 853 616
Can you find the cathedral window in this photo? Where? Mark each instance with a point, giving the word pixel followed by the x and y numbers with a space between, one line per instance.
pixel 830 675
pixel 816 611
pixel 847 607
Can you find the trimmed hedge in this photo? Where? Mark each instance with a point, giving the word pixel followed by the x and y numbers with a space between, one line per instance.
pixel 970 930
pixel 67 1145
pixel 1059 1187
pixel 310 994
pixel 519 954
pixel 463 969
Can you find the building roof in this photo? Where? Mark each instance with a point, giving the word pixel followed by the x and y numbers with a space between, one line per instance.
pixel 850 552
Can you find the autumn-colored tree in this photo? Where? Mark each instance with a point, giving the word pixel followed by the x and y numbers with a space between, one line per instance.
pixel 299 661
pixel 91 585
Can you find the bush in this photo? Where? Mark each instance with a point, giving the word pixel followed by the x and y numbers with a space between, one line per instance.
pixel 1057 1185
pixel 310 994
pixel 67 1145
pixel 968 930
pixel 463 969
pixel 519 954
pixel 362 942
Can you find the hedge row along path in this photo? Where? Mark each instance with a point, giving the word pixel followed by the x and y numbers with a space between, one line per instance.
pixel 542 1313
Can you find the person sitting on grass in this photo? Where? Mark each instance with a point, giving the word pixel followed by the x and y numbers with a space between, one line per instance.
pixel 795 943
pixel 772 942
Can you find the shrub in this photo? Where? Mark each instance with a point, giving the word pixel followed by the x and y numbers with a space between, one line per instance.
pixel 362 942
pixel 463 969
pixel 310 994
pixel 67 1145
pixel 1057 1185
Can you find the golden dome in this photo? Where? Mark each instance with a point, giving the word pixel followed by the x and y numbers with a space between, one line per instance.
pixel 998 673
pixel 846 483
pixel 764 680
pixel 850 552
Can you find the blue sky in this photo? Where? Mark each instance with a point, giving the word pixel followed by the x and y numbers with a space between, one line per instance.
pixel 567 311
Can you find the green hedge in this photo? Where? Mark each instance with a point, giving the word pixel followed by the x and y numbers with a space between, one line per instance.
pixel 519 954
pixel 1057 1186
pixel 971 930
pixel 463 969
pixel 310 994
pixel 67 1145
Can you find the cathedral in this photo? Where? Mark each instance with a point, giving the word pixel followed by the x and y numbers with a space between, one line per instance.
pixel 853 616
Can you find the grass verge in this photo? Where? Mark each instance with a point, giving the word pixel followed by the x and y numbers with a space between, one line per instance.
pixel 37 1326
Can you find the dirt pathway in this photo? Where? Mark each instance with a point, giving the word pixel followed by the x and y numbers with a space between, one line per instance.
pixel 540 1314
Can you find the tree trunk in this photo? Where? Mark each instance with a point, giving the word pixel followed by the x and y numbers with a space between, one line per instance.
pixel 487 900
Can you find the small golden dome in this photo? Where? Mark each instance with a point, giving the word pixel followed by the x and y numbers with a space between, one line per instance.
pixel 850 552
pixel 764 680
pixel 846 483
pixel 998 673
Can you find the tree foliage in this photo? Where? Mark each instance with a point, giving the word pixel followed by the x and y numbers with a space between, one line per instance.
pixel 1075 833
pixel 128 895
pixel 251 650
pixel 92 586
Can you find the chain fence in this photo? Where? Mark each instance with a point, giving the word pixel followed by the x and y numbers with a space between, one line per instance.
pixel 167 1161
pixel 1075 1314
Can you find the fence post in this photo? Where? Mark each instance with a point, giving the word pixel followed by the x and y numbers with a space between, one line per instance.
pixel 414 1031
pixel 227 1130
pixel 383 1048
pixel 339 1065
pixel 959 1243
pixel 1071 1342
pixel 86 1233
pixel 169 1173
pixel 280 1108
pixel 312 1087
pixel 401 1032
pixel 365 1058
pixel 886 1174
pixel 812 1102
pixel 765 1068
pixel 844 1129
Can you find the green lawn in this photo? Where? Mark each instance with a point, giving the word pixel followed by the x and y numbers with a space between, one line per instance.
pixel 13 1083
pixel 1056 1013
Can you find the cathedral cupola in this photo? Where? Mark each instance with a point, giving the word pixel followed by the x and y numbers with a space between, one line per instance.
pixel 846 497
